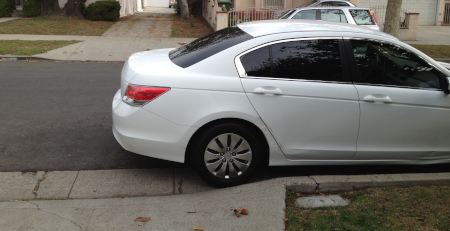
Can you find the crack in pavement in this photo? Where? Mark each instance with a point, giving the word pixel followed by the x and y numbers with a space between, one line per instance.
pixel 38 184
pixel 39 209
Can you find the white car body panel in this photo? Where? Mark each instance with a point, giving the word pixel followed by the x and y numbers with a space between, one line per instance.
pixel 212 89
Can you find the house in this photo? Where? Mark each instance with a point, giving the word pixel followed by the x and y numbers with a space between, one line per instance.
pixel 432 12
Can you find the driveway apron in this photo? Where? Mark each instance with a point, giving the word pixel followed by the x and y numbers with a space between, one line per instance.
pixel 144 24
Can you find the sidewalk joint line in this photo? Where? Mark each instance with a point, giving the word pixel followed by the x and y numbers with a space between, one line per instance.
pixel 76 177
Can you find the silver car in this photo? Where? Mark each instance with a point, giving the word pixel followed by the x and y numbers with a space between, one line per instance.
pixel 315 3
pixel 351 15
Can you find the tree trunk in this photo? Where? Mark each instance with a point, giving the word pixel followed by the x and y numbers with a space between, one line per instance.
pixel 392 20
pixel 184 9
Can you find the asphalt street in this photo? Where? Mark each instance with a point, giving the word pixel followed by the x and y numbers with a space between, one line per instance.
pixel 57 116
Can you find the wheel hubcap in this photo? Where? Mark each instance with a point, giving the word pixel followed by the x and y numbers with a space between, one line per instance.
pixel 228 156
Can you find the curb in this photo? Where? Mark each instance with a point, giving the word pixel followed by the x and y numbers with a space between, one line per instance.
pixel 32 58
pixel 443 60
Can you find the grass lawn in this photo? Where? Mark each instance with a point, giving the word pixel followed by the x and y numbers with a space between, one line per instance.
pixel 415 208
pixel 183 29
pixel 55 26
pixel 21 47
pixel 434 51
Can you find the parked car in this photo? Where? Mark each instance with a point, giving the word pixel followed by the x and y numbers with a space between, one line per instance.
pixel 284 92
pixel 352 15
pixel 314 3
pixel 172 3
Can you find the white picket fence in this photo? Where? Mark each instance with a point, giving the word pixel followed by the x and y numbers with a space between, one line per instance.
pixel 380 15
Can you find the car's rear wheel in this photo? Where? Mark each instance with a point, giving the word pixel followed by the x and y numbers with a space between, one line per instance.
pixel 227 154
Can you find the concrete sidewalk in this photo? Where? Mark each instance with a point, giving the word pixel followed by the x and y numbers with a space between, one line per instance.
pixel 210 210
pixel 98 48
pixel 432 35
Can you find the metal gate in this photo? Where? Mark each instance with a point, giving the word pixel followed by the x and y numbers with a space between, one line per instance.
pixel 447 13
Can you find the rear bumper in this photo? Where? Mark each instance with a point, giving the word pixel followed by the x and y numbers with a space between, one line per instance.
pixel 140 131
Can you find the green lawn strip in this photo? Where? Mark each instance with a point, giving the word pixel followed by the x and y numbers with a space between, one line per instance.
pixel 415 208
pixel 434 51
pixel 55 26
pixel 22 47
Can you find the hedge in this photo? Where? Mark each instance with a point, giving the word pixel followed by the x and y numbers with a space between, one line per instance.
pixel 7 7
pixel 32 8
pixel 103 11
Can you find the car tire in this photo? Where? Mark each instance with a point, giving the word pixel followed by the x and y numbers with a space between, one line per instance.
pixel 232 164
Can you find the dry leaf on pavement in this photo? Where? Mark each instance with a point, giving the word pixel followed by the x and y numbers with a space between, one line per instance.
pixel 199 229
pixel 142 219
pixel 244 212
pixel 321 194
pixel 65 52
pixel 238 212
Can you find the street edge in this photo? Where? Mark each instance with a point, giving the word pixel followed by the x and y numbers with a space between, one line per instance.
pixel 39 59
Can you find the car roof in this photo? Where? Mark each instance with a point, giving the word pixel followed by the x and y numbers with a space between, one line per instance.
pixel 267 27
pixel 332 7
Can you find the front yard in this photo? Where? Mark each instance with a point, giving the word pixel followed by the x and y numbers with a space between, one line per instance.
pixel 22 47
pixel 55 26
pixel 183 29
pixel 434 51
pixel 415 208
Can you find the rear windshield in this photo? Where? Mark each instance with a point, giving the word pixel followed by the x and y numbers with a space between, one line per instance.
pixel 362 17
pixel 207 46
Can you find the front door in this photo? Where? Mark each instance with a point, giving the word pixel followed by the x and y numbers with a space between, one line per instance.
pixel 303 95
pixel 404 113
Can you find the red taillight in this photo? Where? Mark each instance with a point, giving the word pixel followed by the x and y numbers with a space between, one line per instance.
pixel 373 17
pixel 140 95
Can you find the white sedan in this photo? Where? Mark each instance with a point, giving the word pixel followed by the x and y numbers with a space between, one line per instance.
pixel 284 92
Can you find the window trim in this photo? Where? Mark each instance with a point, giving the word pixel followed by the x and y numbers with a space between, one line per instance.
pixel 357 76
pixel 344 61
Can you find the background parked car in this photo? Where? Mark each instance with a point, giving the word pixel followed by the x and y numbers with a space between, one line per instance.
pixel 351 15
pixel 314 3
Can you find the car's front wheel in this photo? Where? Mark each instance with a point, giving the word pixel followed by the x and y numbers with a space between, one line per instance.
pixel 227 154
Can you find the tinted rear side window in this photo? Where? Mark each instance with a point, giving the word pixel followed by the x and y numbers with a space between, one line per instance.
pixel 307 59
pixel 207 46
pixel 333 15
pixel 305 14
pixel 362 17
pixel 257 62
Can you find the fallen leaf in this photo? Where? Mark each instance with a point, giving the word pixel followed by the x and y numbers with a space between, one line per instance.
pixel 142 219
pixel 244 212
pixel 321 194
pixel 238 212
pixel 74 52
pixel 198 229
pixel 286 219
pixel 147 49
pixel 65 52
pixel 110 55
pixel 420 219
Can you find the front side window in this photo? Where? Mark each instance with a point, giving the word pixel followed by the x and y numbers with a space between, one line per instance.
pixel 333 15
pixel 305 14
pixel 317 60
pixel 386 64
pixel 362 17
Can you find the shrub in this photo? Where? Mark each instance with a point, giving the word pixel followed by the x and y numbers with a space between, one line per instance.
pixel 12 5
pixel 103 11
pixel 5 8
pixel 31 8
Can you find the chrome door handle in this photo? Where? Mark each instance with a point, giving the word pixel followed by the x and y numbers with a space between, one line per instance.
pixel 383 98
pixel 268 90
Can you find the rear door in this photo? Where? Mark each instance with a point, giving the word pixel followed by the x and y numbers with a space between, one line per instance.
pixel 302 91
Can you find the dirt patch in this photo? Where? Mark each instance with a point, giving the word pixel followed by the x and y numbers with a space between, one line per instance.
pixel 183 29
